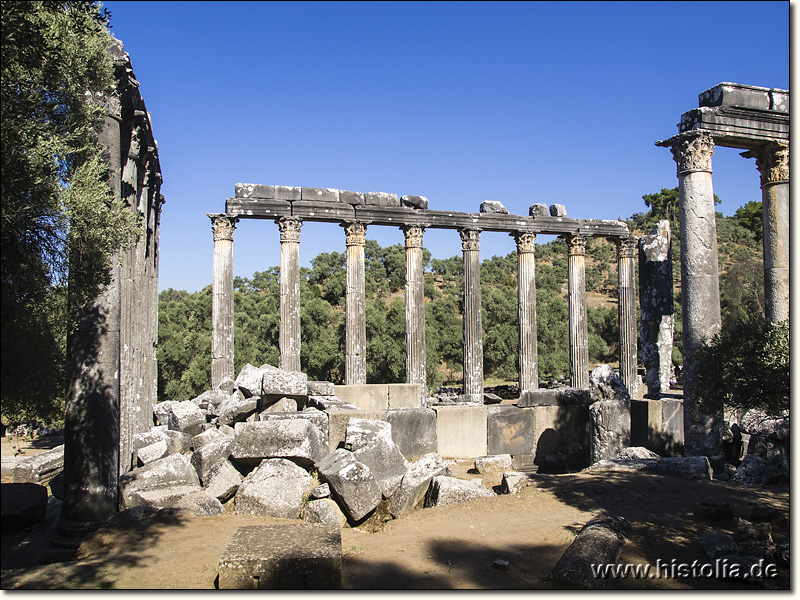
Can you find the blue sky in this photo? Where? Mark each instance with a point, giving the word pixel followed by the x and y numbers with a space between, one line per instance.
pixel 553 102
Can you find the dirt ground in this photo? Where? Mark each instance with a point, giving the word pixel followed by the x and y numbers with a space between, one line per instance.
pixel 447 547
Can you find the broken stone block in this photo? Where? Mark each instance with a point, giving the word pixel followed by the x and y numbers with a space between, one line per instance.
pixel 283 405
pixel 605 384
pixel 417 202
pixel 558 210
pixel 352 482
pixel 160 497
pixel 371 443
pixel 296 439
pixel 381 199
pixel 323 510
pixel 554 397
pixel 226 386
pixel 488 465
pixel 689 467
pixel 321 491
pixel 222 480
pixel 296 556
pixel 22 505
pixel 755 470
pixel 321 388
pixel 338 419
pixel 449 490
pixel 610 422
pixel 237 408
pixel 152 452
pixel 636 452
pixel 514 481
pixel 413 430
pixel 175 469
pixel 180 416
pixel 493 206
pixel 211 453
pixel 199 504
pixel 177 441
pixel 210 398
pixel 249 380
pixel 317 417
pixel 717 544
pixel 276 488
pixel 510 430
pixel 279 382
pixel 414 485
pixel 209 435
pixel 538 210
pixel 328 403
pixel 40 468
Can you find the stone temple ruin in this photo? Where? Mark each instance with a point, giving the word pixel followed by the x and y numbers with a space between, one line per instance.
pixel 281 445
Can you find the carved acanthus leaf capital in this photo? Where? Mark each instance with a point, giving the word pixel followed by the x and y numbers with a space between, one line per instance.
pixel 356 234
pixel 692 151
pixel 470 239
pixel 577 245
pixel 526 241
pixel 413 235
pixel 222 226
pixel 289 228
pixel 772 161
pixel 626 247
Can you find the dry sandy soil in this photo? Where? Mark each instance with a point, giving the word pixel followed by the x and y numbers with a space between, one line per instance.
pixel 448 547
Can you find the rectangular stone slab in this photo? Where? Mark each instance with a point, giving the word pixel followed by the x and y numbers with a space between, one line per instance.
pixel 510 430
pixel 301 556
pixel 461 431
pixel 556 397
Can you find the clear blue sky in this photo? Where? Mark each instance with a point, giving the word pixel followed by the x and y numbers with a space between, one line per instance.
pixel 553 102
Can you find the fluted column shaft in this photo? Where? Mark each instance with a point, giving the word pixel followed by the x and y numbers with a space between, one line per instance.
pixel 578 327
pixel 415 307
pixel 772 161
pixel 289 333
pixel 626 290
pixel 222 298
pixel 355 360
pixel 526 305
pixel 473 328
pixel 699 282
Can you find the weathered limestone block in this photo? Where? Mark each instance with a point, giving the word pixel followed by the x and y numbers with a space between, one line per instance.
pixel 160 497
pixel 538 210
pixel 554 397
pixel 177 441
pixel 755 470
pixel 40 468
pixel 381 199
pixel 22 505
pixel 211 398
pixel 689 467
pixel 222 480
pixel 671 442
pixel 180 416
pixel 636 452
pixel 323 510
pixel 321 388
pixel 449 490
pixel 337 423
pixel 599 542
pixel 605 384
pixel 371 443
pixel 302 556
pixel 352 198
pixel 329 403
pixel 321 491
pixel 563 437
pixel 403 395
pixel 283 405
pixel 296 439
pixel 461 431
pixel 148 454
pixel 558 210
pixel 415 484
pixel 199 504
pixel 276 488
pixel 319 194
pixel 366 397
pixel 237 408
pixel 489 465
pixel 493 206
pixel 173 470
pixel 317 417
pixel 254 190
pixel 510 430
pixel 209 435
pixel 413 430
pixel 249 380
pixel 717 544
pixel 211 453
pixel 352 482
pixel 418 202
pixel 514 481
pixel 610 422
pixel 226 386
pixel 280 382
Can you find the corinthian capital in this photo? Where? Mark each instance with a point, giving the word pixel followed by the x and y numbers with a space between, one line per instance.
pixel 356 234
pixel 692 151
pixel 470 238
pixel 772 161
pixel 577 245
pixel 222 226
pixel 526 241
pixel 626 247
pixel 413 235
pixel 289 228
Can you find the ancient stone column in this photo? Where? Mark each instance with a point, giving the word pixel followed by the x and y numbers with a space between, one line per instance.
pixel 656 301
pixel 355 359
pixel 626 291
pixel 700 305
pixel 289 333
pixel 526 305
pixel 415 307
pixel 772 161
pixel 222 301
pixel 473 328
pixel 578 326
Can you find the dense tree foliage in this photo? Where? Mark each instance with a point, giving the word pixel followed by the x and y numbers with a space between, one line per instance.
pixel 59 220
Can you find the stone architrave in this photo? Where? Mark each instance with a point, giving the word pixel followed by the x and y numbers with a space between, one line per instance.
pixel 415 307
pixel 700 306
pixel 655 299
pixel 355 360
pixel 222 301
pixel 626 289
pixel 473 331
pixel 289 334
pixel 578 326
pixel 526 302
pixel 772 161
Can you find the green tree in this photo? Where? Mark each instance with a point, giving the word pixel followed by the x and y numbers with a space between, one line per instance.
pixel 749 216
pixel 58 213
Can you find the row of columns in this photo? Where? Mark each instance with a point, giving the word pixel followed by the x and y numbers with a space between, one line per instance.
pixel 355 313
